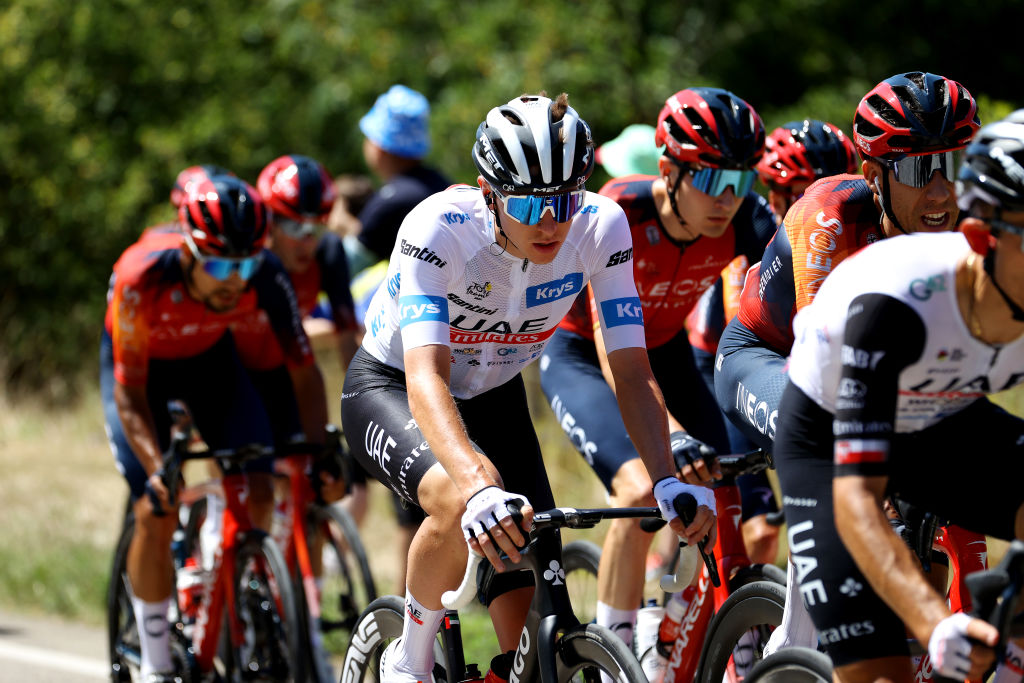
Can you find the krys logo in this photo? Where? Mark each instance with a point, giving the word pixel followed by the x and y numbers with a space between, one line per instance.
pixel 626 311
pixel 570 285
pixel 417 308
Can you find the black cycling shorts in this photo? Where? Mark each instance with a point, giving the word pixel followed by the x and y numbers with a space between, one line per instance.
pixel 386 441
pixel 966 469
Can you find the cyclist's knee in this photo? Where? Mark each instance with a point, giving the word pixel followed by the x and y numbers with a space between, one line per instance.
pixel 761 540
pixel 151 527
pixel 631 486
pixel 261 488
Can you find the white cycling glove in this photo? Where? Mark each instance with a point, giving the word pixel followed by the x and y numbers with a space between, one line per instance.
pixel 485 508
pixel 949 647
pixel 667 489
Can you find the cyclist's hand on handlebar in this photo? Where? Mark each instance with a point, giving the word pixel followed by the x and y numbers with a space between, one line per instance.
pixel 703 524
pixel 696 461
pixel 159 496
pixel 330 488
pixel 961 646
pixel 489 528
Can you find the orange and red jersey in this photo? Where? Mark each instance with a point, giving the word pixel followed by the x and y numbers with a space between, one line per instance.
pixel 150 313
pixel 671 275
pixel 257 344
pixel 835 217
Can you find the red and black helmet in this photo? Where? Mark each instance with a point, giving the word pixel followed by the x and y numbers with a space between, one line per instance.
pixel 224 216
pixel 710 126
pixel 192 175
pixel 298 188
pixel 913 114
pixel 806 150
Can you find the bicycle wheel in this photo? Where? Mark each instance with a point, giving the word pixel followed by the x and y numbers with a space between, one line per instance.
pixel 378 625
pixel 347 585
pixel 589 650
pixel 580 560
pixel 739 631
pixel 265 603
pixel 793 665
pixel 122 634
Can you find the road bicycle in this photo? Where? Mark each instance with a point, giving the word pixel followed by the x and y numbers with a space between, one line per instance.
pixel 968 558
pixel 323 550
pixel 554 646
pixel 734 605
pixel 247 624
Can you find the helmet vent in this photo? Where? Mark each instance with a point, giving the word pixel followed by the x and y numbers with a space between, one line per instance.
pixel 885 110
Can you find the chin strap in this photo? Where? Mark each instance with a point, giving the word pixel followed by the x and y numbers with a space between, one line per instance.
pixel 990 269
pixel 887 204
pixel 672 196
pixel 501 231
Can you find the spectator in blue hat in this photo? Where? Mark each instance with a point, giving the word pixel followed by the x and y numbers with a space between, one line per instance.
pixel 397 137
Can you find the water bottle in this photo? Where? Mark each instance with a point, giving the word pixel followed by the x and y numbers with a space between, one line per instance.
pixel 648 623
pixel 668 630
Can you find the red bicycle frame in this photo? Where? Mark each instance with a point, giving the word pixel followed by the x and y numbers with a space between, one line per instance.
pixel 219 585
pixel 295 547
pixel 730 557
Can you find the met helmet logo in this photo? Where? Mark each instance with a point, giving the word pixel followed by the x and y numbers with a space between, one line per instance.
pixel 570 285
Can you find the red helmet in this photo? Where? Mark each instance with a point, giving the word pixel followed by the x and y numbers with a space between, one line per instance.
pixel 224 216
pixel 913 114
pixel 710 126
pixel 298 188
pixel 192 175
pixel 806 150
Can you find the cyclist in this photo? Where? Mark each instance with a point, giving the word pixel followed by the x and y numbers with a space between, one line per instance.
pixel 888 382
pixel 798 153
pixel 687 224
pixel 396 137
pixel 795 154
pixel 476 285
pixel 173 296
pixel 906 116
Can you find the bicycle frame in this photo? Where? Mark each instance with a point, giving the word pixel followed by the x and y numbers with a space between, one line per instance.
pixel 296 546
pixel 730 557
pixel 219 588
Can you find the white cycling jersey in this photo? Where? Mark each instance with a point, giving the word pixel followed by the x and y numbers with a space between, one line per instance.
pixel 912 336
pixel 449 283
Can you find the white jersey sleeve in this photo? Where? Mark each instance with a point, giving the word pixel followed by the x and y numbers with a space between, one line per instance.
pixel 618 304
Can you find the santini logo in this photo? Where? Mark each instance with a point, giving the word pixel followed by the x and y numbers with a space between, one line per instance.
pixel 570 285
pixel 418 308
pixel 422 253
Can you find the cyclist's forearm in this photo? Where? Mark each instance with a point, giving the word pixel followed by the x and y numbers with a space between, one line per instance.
pixel 643 410
pixel 437 416
pixel 883 557
pixel 137 422
pixel 311 398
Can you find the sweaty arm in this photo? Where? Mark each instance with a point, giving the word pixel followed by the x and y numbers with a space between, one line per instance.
pixel 883 336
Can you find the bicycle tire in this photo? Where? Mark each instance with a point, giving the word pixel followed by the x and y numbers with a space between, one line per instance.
pixel 378 625
pixel 793 665
pixel 588 650
pixel 753 609
pixel 265 602
pixel 580 560
pixel 122 634
pixel 347 582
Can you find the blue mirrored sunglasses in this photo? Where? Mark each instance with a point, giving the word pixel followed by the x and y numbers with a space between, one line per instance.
pixel 715 181
pixel 917 171
pixel 529 208
pixel 222 267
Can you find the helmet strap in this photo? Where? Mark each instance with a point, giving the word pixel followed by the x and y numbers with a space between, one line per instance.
pixel 501 231
pixel 886 198
pixel 990 268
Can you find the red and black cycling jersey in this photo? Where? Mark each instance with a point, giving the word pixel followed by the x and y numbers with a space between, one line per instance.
pixel 256 341
pixel 670 274
pixel 150 313
pixel 835 217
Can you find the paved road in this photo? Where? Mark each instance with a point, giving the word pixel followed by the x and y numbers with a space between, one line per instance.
pixel 47 650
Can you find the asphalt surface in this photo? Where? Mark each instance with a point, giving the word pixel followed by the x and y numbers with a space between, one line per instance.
pixel 47 650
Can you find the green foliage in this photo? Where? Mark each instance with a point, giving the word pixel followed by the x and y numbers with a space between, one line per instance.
pixel 105 101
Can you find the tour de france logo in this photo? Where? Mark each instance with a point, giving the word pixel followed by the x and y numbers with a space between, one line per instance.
pixel 479 291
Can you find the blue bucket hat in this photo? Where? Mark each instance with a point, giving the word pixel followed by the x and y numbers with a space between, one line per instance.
pixel 398 123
